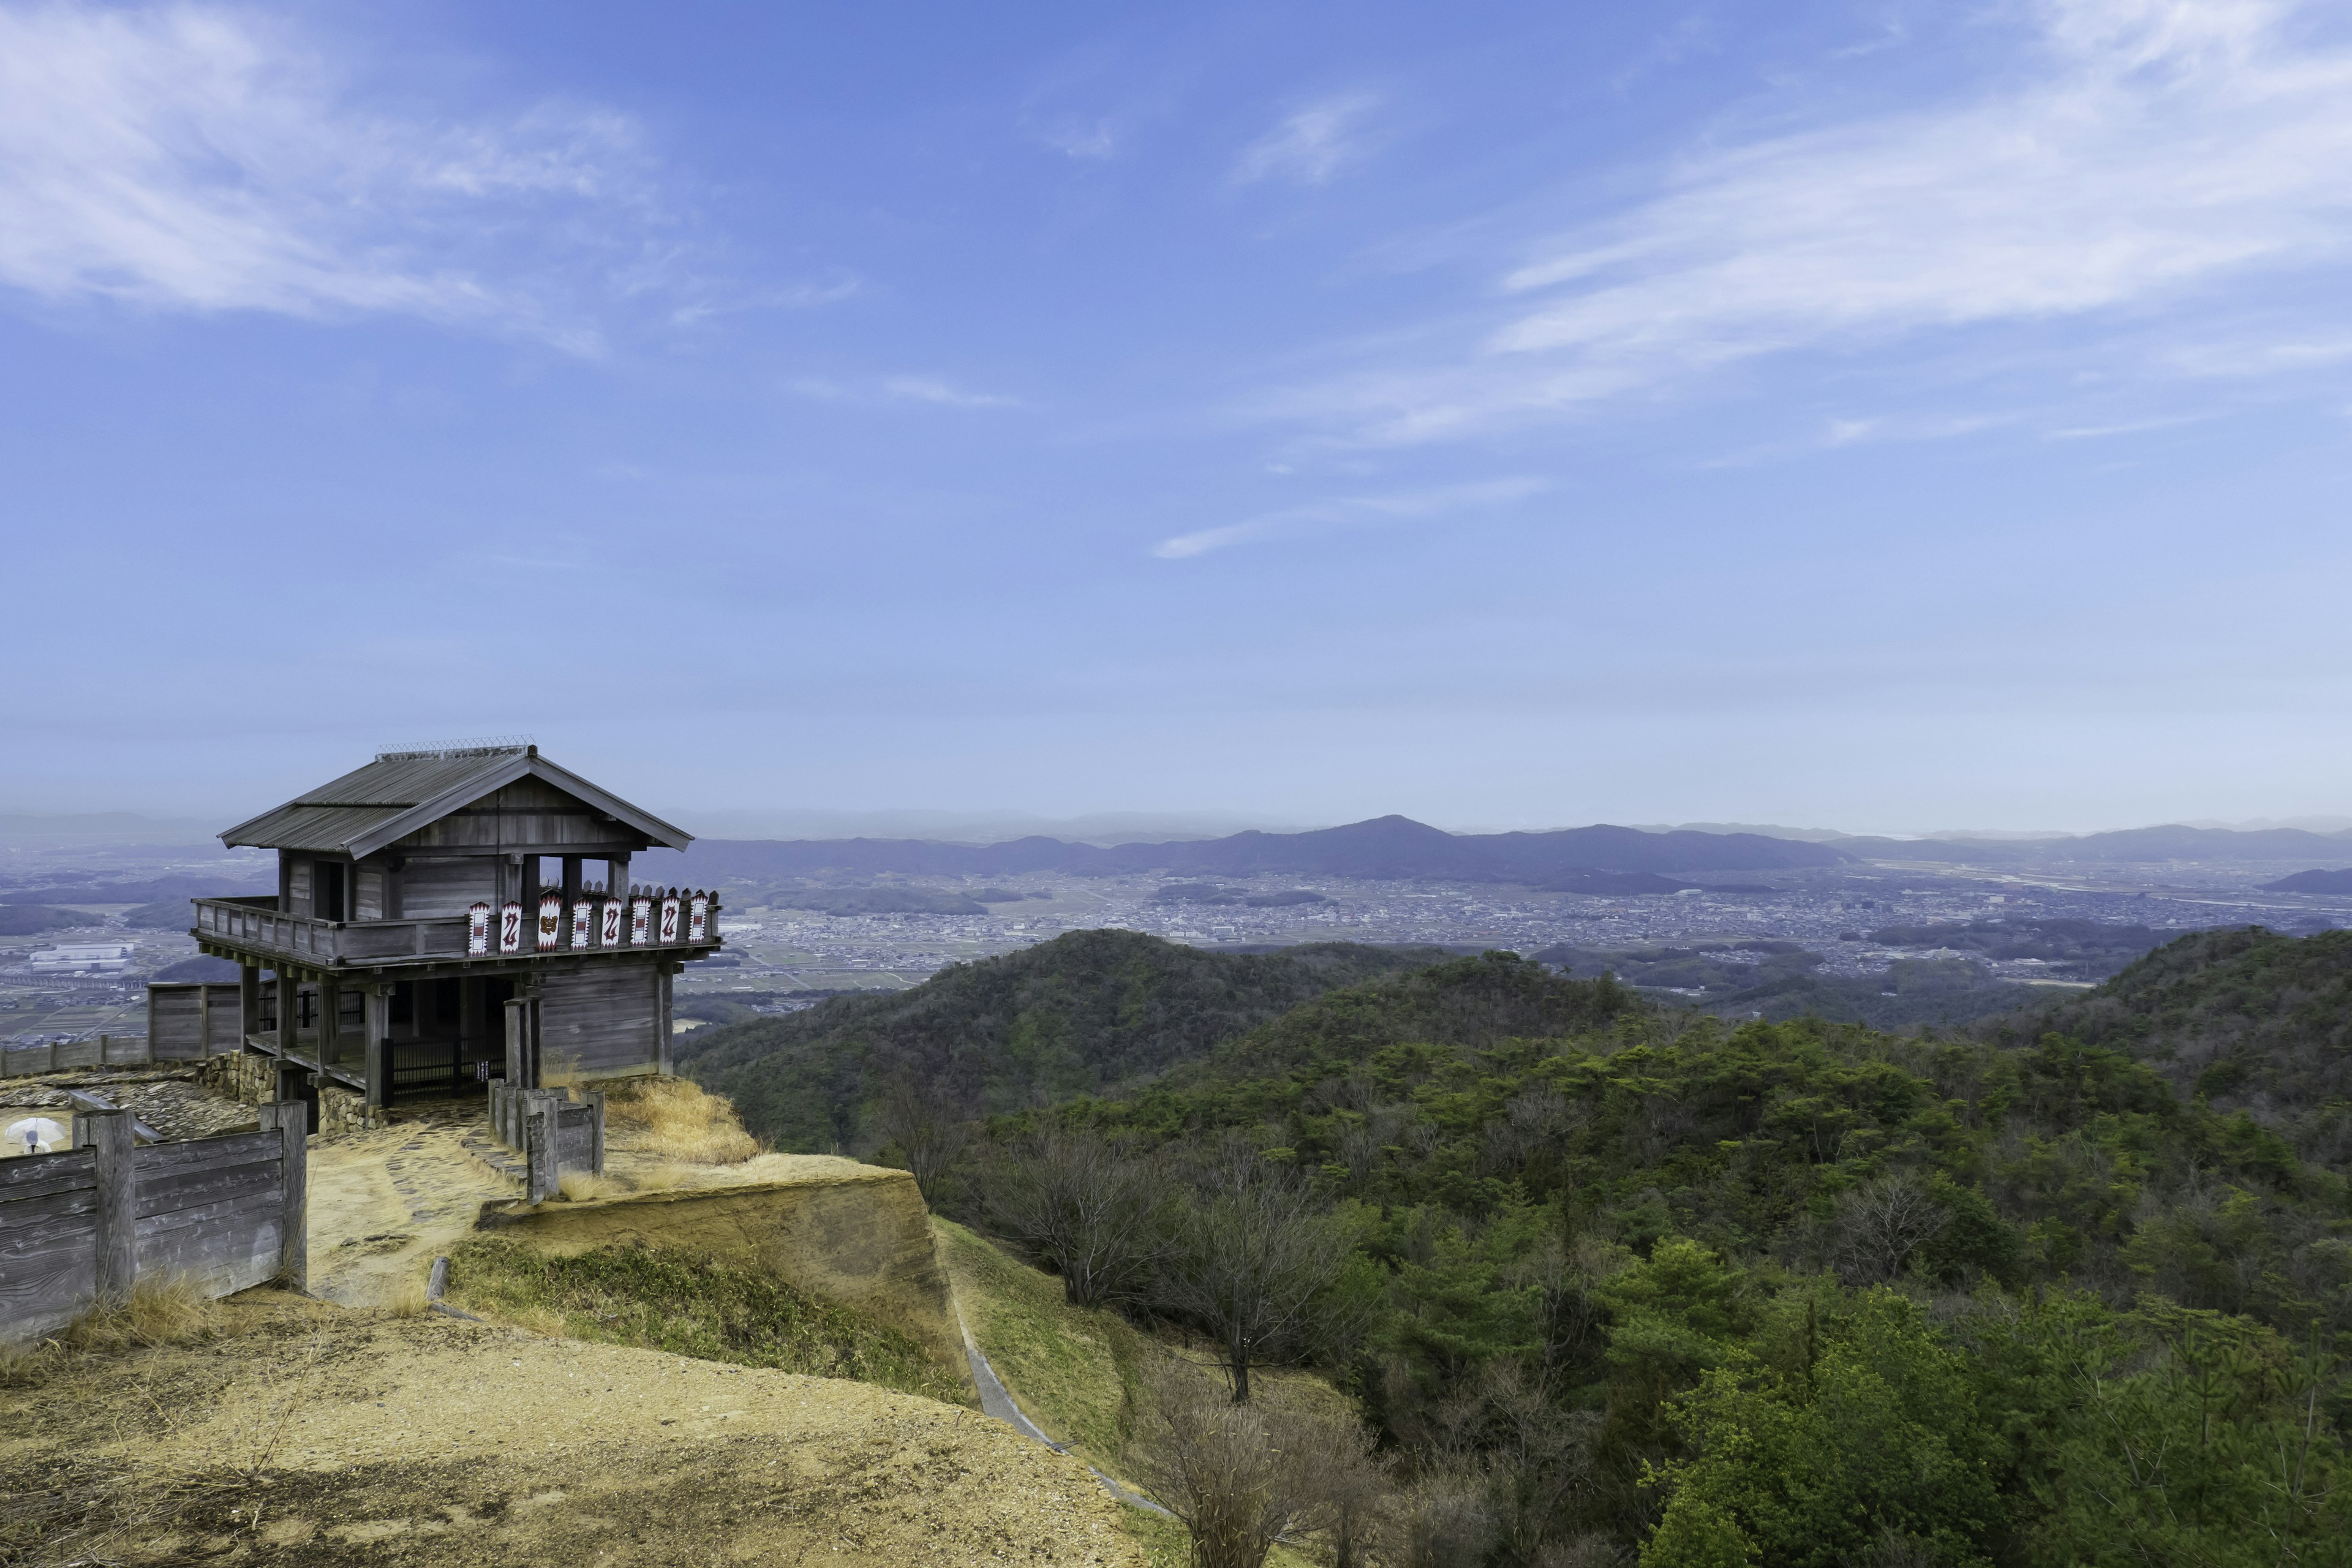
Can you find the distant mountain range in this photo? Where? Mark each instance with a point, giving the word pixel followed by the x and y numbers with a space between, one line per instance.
pixel 1399 849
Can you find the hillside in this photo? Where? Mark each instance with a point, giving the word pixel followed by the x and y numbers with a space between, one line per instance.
pixel 297 1432
pixel 2312 882
pixel 1629 1283
pixel 2245 1018
pixel 1779 980
pixel 1078 1014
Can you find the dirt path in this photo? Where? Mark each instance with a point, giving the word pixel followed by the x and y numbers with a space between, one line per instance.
pixel 309 1432
pixel 383 1204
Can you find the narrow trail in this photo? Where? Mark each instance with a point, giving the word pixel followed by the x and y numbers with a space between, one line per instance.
pixel 995 1400
pixel 382 1203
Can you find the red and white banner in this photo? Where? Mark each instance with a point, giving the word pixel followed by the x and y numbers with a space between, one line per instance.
pixel 669 920
pixel 641 918
pixel 581 922
pixel 511 927
pixel 551 921
pixel 698 918
pixel 478 930
pixel 609 926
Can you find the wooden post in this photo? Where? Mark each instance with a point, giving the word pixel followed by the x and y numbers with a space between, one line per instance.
pixel 665 1051
pixel 289 1013
pixel 108 1132
pixel 102 1043
pixel 596 1099
pixel 331 1022
pixel 291 1118
pixel 540 1144
pixel 521 1062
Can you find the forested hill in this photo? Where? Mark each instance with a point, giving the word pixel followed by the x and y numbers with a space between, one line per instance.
pixel 1081 1013
pixel 1618 1283
pixel 2245 1018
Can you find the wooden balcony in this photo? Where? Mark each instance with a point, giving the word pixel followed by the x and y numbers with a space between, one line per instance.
pixel 251 931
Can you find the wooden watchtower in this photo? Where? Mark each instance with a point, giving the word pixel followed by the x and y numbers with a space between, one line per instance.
pixel 435 923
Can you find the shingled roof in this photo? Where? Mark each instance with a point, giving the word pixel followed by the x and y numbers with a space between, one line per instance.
pixel 400 792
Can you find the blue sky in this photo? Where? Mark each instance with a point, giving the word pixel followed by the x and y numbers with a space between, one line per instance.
pixel 1887 417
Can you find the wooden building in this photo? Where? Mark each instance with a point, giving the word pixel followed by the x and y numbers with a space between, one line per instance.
pixel 444 916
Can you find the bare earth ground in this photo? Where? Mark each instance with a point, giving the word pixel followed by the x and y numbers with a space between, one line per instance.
pixel 310 1434
pixel 383 1204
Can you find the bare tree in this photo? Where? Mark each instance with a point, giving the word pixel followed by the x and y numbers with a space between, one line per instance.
pixel 1881 1223
pixel 924 1118
pixel 1446 1517
pixel 1089 1208
pixel 1254 1260
pixel 1244 1479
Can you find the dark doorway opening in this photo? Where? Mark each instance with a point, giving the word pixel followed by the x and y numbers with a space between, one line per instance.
pixel 294 1083
pixel 327 890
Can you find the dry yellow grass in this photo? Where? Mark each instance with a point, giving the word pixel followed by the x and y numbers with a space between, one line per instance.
pixel 676 1119
pixel 580 1187
pixel 409 1300
pixel 163 1309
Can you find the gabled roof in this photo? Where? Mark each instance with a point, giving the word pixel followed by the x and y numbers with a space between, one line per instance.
pixel 401 792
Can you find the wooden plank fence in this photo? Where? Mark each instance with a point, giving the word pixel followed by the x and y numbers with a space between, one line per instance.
pixel 188 1020
pixel 552 1131
pixel 83 1226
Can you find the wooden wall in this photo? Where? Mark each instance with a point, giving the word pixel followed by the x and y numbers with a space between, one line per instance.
pixel 189 1020
pixel 602 1020
pixel 530 813
pixel 432 887
pixel 226 1213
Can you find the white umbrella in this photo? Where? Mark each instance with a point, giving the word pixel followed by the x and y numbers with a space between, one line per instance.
pixel 39 1134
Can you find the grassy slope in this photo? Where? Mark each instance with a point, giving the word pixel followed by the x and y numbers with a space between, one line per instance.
pixel 1075 1015
pixel 663 1301
pixel 1078 1374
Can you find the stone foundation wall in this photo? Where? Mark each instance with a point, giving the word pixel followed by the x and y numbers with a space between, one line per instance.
pixel 251 1076
pixel 247 1076
pixel 344 1111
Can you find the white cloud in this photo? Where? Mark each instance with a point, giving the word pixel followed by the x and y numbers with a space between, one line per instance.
pixel 2147 151
pixel 1314 145
pixel 1347 511
pixel 201 159
pixel 931 389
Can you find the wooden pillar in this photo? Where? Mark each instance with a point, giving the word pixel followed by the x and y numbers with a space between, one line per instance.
pixel 375 1040
pixel 522 1043
pixel 596 1099
pixel 470 1003
pixel 291 1120
pixel 331 1022
pixel 616 886
pixel 108 1133
pixel 665 1056
pixel 290 1010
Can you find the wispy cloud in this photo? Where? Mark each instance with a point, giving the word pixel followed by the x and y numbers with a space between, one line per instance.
pixel 1315 145
pixel 2145 151
pixel 193 158
pixel 927 389
pixel 1352 511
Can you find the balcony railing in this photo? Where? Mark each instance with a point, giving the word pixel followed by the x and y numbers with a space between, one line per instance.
pixel 256 925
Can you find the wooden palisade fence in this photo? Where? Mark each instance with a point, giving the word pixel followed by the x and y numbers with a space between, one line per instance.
pixel 82 1227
